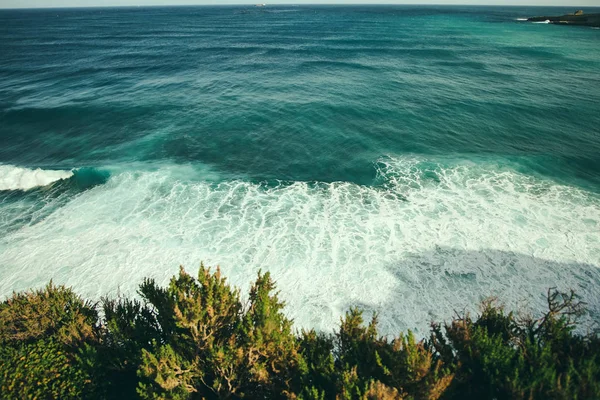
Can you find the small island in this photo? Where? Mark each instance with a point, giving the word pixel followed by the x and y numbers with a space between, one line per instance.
pixel 577 18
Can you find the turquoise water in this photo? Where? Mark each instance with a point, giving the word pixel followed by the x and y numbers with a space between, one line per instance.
pixel 409 160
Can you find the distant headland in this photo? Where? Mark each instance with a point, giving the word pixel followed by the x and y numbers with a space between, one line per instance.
pixel 577 18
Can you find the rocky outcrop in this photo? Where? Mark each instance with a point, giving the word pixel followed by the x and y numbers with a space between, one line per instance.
pixel 578 18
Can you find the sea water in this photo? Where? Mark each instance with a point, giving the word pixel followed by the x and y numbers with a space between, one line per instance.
pixel 407 160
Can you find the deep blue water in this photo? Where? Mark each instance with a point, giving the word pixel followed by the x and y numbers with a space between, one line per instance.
pixel 408 159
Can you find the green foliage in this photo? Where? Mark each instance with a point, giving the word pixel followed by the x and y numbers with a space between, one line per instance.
pixel 500 356
pixel 195 339
pixel 54 311
pixel 47 340
pixel 356 363
pixel 41 370
pixel 168 375
pixel 130 327
pixel 317 365
pixel 212 346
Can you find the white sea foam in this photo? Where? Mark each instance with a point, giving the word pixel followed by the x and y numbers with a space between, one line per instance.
pixel 430 240
pixel 521 19
pixel 16 178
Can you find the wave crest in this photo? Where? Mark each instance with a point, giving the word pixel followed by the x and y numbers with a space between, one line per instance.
pixel 17 178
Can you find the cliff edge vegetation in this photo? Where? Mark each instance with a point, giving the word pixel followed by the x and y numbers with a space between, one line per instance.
pixel 196 339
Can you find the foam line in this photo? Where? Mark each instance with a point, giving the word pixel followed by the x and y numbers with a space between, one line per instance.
pixel 432 238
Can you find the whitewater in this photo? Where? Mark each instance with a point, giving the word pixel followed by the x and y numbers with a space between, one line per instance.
pixel 429 240
pixel 15 178
pixel 410 161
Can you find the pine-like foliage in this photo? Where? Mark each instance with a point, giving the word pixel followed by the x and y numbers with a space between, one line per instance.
pixel 211 346
pixel 499 356
pixel 196 339
pixel 47 339
pixel 356 363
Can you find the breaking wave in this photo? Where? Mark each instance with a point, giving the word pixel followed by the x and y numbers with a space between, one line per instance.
pixel 429 238
pixel 16 178
pixel 24 179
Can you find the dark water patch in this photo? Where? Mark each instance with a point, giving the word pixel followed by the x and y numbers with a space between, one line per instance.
pixel 86 178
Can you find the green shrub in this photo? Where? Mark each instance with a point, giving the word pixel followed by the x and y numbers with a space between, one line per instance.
pixel 54 311
pixel 500 356
pixel 212 346
pixel 47 340
pixel 357 363
pixel 42 370
pixel 129 327
pixel 195 339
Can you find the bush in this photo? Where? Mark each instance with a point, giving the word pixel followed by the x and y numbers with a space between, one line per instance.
pixel 213 347
pixel 47 341
pixel 500 356
pixel 195 339
pixel 41 370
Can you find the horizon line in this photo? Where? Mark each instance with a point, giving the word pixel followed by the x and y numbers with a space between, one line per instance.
pixel 293 4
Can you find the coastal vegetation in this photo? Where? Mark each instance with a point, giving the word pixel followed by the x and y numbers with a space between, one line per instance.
pixel 197 338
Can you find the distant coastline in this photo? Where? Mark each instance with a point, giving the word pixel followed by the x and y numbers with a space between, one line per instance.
pixel 578 18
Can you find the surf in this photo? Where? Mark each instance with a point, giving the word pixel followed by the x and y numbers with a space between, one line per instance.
pixel 17 178
pixel 430 236
pixel 13 178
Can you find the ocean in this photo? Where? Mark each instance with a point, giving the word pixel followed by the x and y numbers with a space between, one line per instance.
pixel 408 160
